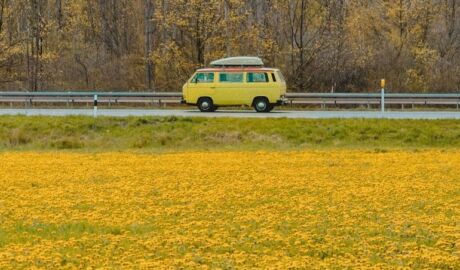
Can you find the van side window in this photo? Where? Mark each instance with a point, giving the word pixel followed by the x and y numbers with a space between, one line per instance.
pixel 203 78
pixel 257 77
pixel 231 77
pixel 273 77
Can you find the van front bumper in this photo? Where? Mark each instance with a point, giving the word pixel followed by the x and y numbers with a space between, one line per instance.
pixel 282 101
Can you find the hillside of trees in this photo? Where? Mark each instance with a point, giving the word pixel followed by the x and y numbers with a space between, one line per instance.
pixel 155 45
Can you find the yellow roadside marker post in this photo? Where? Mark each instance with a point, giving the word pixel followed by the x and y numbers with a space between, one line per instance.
pixel 382 95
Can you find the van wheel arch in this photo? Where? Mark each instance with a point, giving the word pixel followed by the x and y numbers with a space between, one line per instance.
pixel 206 104
pixel 262 104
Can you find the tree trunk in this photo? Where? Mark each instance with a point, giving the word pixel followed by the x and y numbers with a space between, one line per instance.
pixel 227 26
pixel 85 69
pixel 199 43
pixel 301 46
pixel 301 39
pixel 109 26
pixel 59 13
pixel 149 31
pixel 35 41
pixel 2 9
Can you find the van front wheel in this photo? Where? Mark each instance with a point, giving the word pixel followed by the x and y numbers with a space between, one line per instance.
pixel 262 105
pixel 206 105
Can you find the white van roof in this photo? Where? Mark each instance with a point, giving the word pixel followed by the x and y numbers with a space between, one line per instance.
pixel 241 61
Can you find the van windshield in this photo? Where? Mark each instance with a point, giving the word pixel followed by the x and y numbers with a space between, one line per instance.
pixel 280 76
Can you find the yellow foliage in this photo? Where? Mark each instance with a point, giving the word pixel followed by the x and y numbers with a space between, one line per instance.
pixel 331 209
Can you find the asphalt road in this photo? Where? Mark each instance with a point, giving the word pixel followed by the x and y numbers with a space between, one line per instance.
pixel 239 114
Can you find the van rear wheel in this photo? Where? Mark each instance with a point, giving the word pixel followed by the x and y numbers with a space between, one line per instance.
pixel 270 108
pixel 206 105
pixel 262 105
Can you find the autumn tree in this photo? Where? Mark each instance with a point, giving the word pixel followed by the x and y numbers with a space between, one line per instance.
pixel 320 45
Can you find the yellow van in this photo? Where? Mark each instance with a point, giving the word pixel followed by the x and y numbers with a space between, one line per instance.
pixel 236 81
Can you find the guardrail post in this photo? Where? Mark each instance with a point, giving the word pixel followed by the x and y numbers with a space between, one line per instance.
pixel 95 106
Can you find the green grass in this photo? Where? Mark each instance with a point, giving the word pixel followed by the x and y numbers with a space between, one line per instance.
pixel 182 134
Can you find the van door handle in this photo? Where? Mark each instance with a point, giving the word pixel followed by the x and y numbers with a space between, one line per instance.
pixel 213 87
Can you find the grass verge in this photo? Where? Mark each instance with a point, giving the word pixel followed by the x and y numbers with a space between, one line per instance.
pixel 182 134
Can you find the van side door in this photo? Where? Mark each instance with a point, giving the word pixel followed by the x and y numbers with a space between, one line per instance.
pixel 230 89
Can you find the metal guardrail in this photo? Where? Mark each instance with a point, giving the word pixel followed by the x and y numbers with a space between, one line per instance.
pixel 91 94
pixel 179 94
pixel 71 98
pixel 369 99
pixel 159 98
pixel 371 95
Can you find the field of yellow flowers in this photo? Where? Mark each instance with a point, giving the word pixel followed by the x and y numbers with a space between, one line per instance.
pixel 243 210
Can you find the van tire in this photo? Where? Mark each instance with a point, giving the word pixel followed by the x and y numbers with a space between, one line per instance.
pixel 261 104
pixel 270 108
pixel 206 104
